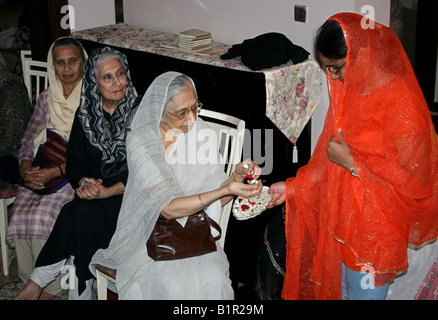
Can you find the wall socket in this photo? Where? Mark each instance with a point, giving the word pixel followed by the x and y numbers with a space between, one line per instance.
pixel 300 13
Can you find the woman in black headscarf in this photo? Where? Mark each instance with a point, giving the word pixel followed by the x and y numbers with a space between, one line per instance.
pixel 97 169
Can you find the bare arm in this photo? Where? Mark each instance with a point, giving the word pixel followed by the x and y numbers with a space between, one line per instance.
pixel 184 206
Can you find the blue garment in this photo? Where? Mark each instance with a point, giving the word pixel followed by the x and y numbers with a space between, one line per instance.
pixel 357 285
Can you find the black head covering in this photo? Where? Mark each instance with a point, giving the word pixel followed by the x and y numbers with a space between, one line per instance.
pixel 108 136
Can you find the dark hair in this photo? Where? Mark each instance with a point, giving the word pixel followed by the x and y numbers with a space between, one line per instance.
pixel 62 42
pixel 330 41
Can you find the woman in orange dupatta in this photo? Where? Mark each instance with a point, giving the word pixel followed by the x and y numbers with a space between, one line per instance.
pixel 371 185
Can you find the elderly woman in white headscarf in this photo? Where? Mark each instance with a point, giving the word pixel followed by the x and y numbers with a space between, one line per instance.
pixel 169 175
pixel 34 214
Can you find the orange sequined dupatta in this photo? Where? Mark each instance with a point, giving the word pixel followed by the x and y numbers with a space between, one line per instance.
pixel 385 120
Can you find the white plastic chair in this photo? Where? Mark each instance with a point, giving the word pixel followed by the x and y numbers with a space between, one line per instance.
pixel 4 203
pixel 25 55
pixel 34 74
pixel 230 132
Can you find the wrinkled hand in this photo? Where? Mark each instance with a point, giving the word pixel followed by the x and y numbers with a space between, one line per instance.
pixel 35 178
pixel 92 189
pixel 340 152
pixel 244 190
pixel 248 167
pixel 277 191
pixel 32 178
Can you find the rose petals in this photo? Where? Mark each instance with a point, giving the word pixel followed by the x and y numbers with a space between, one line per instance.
pixel 245 208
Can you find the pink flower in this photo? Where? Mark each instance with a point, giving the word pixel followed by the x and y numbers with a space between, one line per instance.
pixel 303 102
pixel 299 89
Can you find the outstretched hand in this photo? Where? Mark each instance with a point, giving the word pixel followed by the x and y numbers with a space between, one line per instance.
pixel 245 190
pixel 277 191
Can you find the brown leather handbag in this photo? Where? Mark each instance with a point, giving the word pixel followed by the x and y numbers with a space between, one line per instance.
pixel 170 240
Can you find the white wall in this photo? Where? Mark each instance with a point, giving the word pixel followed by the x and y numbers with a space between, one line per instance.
pixel 92 14
pixel 232 21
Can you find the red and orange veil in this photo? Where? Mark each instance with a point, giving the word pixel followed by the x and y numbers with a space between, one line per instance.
pixel 394 201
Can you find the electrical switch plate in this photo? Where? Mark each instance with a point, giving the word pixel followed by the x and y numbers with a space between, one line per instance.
pixel 300 13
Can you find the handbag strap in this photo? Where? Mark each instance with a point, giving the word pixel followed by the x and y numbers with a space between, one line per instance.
pixel 213 224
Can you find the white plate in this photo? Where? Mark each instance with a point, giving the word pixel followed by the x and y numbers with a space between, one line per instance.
pixel 252 212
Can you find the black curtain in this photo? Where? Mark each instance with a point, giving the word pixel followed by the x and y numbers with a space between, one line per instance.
pixel 426 49
pixel 45 25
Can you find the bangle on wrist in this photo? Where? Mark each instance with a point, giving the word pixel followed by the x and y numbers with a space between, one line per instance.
pixel 202 203
pixel 353 172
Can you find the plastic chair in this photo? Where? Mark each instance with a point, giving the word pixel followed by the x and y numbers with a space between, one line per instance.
pixel 34 74
pixel 25 55
pixel 4 203
pixel 230 132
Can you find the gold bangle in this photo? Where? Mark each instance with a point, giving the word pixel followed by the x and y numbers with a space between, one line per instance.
pixel 202 203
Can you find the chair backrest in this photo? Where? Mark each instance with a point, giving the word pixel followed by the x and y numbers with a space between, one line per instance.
pixel 230 132
pixel 25 55
pixel 34 74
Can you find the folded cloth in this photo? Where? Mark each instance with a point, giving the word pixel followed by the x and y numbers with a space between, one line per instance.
pixel 266 51
pixel 7 37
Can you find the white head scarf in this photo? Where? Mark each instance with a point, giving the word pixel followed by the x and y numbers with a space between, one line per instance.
pixel 61 110
pixel 153 181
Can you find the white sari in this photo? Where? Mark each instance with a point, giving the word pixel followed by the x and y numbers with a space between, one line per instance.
pixel 155 178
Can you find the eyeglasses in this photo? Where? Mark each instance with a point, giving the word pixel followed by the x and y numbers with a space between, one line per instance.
pixel 335 69
pixel 184 113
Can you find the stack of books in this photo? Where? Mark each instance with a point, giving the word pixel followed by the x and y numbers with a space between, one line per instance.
pixel 195 40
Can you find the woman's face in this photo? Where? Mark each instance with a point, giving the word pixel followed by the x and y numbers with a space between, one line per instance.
pixel 68 65
pixel 336 67
pixel 111 80
pixel 181 102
